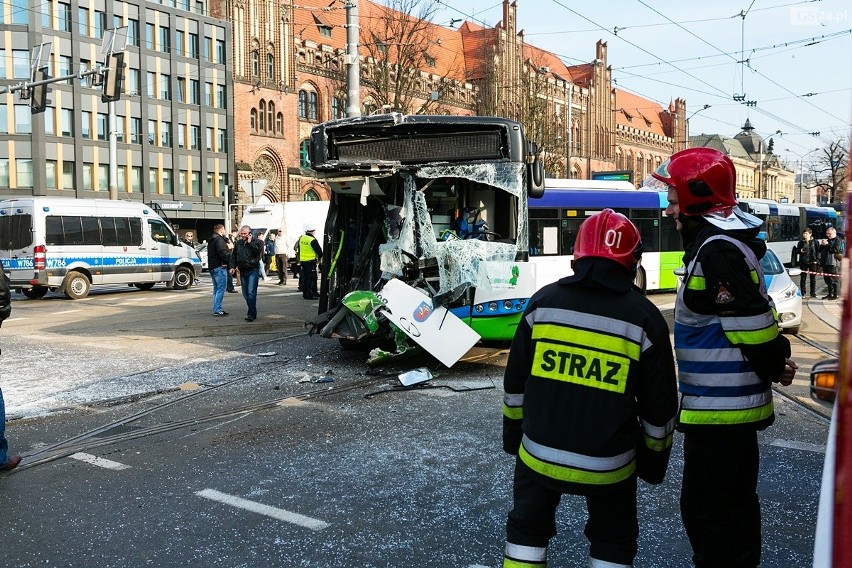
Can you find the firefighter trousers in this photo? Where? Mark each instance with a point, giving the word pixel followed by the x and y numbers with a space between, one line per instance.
pixel 718 500
pixel 612 527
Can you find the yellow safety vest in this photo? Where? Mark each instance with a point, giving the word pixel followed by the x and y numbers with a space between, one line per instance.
pixel 306 251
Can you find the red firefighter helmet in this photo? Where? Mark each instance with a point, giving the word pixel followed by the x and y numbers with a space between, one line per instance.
pixel 609 235
pixel 703 178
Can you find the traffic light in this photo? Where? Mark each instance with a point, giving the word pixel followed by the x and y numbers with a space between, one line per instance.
pixel 232 195
pixel 114 77
pixel 38 98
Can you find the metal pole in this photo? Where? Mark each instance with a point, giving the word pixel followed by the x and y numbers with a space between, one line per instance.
pixel 227 213
pixel 113 153
pixel 568 168
pixel 353 69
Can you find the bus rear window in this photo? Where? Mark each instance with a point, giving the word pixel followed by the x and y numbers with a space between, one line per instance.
pixel 16 231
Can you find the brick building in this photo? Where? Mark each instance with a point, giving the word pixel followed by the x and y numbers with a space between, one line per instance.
pixel 289 75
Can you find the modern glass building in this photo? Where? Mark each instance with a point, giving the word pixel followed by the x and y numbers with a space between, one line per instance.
pixel 173 121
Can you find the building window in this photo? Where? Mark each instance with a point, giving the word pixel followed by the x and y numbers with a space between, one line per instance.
pixel 152 132
pixel 209 138
pixel 338 107
pixel 67 175
pixel 182 182
pixel 49 121
pixel 85 65
pixel 181 135
pixel 23 119
pixel 103 177
pixel 194 91
pixel 63 12
pixel 195 137
pixel 135 179
pixel 325 31
pixel 221 102
pixel 312 106
pixel 270 113
pixel 166 134
pixel 180 37
pixel 103 131
pixel 181 85
pixel 168 186
pixel 262 116
pixel 133 80
pixel 303 104
pixel 270 67
pixel 83 21
pixel 279 123
pixel 209 185
pixel 67 117
pixel 193 45
pixel 208 94
pixel 149 35
pixel 24 169
pixel 165 39
pixel 304 153
pixel 166 87
pixel 195 180
pixel 21 64
pixel 119 128
pixel 151 84
pixel 221 54
pixel 253 120
pixel 87 176
pixel 4 173
pixel 100 23
pixel 86 124
pixel 4 119
pixel 311 195
pixel 255 64
pixel 50 174
pixel 208 48
pixel 135 130
pixel 133 32
pixel 223 141
pixel 153 176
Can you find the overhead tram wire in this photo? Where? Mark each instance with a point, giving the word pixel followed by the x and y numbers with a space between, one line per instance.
pixel 693 34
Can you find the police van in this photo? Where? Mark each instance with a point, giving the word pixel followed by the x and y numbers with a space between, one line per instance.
pixel 67 244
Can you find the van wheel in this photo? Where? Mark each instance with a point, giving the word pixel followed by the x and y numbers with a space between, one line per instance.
pixel 183 278
pixel 144 285
pixel 76 285
pixel 36 293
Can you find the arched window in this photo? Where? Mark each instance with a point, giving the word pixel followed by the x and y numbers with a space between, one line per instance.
pixel 338 106
pixel 270 67
pixel 270 115
pixel 262 113
pixel 279 123
pixel 255 64
pixel 311 195
pixel 312 106
pixel 303 104
pixel 253 120
pixel 304 156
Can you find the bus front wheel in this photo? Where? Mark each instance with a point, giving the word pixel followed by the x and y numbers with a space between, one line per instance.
pixel 76 286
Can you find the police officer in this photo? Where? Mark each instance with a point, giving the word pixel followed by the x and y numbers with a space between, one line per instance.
pixel 590 399
pixel 309 252
pixel 729 352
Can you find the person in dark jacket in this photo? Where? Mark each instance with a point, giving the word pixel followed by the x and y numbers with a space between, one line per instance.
pixel 7 462
pixel 808 261
pixel 246 259
pixel 831 251
pixel 729 352
pixel 590 399
pixel 218 263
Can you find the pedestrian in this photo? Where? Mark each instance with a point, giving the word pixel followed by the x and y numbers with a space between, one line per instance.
pixel 262 263
pixel 246 260
pixel 234 237
pixel 808 261
pixel 230 241
pixel 7 462
pixel 309 252
pixel 218 263
pixel 591 399
pixel 831 251
pixel 269 252
pixel 282 249
pixel 189 238
pixel 729 351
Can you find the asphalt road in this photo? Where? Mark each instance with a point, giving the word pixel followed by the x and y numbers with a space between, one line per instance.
pixel 157 435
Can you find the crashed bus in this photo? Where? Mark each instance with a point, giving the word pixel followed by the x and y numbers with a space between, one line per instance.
pixel 426 235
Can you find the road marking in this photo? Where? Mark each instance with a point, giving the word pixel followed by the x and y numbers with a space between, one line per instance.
pixel 254 507
pixel 67 312
pixel 793 445
pixel 100 462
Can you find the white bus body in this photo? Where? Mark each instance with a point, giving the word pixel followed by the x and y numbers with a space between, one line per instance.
pixel 67 244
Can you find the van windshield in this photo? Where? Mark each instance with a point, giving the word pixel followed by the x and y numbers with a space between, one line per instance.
pixel 15 231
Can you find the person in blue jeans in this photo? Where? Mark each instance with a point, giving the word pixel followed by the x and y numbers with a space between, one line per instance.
pixel 6 462
pixel 246 258
pixel 218 262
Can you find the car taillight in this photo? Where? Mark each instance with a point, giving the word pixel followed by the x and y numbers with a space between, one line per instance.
pixel 39 257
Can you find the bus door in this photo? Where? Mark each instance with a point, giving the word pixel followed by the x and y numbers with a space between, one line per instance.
pixel 159 249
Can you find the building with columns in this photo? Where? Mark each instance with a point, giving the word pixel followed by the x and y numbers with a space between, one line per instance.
pixel 760 173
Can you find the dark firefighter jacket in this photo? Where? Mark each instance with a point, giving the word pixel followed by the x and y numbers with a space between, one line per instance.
pixel 728 344
pixel 591 393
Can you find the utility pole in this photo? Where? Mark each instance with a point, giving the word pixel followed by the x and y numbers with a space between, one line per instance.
pixel 352 62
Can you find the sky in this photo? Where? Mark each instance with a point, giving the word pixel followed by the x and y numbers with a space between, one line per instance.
pixel 797 68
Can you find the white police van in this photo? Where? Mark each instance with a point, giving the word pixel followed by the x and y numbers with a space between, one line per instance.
pixel 67 244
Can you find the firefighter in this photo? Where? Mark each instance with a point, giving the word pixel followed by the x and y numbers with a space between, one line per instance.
pixel 590 399
pixel 729 352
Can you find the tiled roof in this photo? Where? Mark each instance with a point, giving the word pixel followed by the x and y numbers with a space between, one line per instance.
pixel 638 112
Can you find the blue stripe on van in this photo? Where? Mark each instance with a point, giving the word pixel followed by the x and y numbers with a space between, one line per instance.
pixel 54 262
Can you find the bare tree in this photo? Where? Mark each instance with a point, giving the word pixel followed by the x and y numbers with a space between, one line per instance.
pixel 402 50
pixel 829 171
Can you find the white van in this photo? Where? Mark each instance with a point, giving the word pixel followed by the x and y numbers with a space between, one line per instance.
pixel 67 244
pixel 292 216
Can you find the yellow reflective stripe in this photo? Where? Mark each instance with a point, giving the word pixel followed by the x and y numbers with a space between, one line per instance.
pixel 509 563
pixel 696 283
pixel 513 412
pixel 572 475
pixel 754 277
pixel 601 341
pixel 753 337
pixel 584 367
pixel 747 416
pixel 657 444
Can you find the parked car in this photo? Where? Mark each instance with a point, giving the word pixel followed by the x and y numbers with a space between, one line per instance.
pixel 201 251
pixel 784 292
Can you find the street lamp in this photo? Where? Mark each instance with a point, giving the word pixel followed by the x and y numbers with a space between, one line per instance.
pixel 705 107
pixel 801 168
